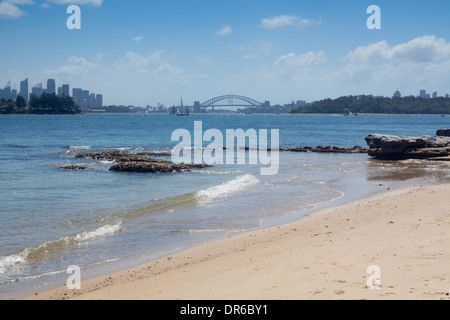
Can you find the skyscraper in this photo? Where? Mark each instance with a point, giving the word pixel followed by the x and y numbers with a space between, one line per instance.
pixel 76 94
pixel 92 101
pixel 65 90
pixel 24 89
pixel 37 90
pixel 84 99
pixel 51 86
pixel 7 91
pixel 99 101
pixel 13 96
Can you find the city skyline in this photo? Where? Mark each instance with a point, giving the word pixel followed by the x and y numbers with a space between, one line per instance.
pixel 151 52
pixel 83 98
pixel 86 99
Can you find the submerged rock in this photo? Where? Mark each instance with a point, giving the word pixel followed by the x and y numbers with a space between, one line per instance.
pixel 327 149
pixel 395 147
pixel 443 133
pixel 140 163
pixel 155 167
pixel 72 167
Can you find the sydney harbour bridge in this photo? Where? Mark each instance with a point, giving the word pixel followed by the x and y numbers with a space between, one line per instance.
pixel 229 100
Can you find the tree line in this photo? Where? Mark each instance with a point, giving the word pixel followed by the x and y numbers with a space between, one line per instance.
pixel 44 104
pixel 385 105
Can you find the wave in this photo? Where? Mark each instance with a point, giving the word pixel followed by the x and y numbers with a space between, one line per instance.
pixel 227 188
pixel 49 247
pixel 79 147
pixel 207 230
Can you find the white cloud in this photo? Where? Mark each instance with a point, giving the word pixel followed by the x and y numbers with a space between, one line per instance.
pixel 287 21
pixel 142 77
pixel 20 2
pixel 418 50
pixel 226 30
pixel 74 66
pixel 256 49
pixel 138 39
pixel 167 69
pixel 379 68
pixel 295 61
pixel 96 3
pixel 250 56
pixel 133 61
pixel 205 60
pixel 10 10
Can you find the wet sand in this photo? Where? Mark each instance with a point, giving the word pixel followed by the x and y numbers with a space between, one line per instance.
pixel 404 234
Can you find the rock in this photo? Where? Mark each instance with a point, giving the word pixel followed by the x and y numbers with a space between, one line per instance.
pixel 327 149
pixel 154 167
pixel 112 156
pixel 140 163
pixel 154 154
pixel 72 167
pixel 443 133
pixel 398 147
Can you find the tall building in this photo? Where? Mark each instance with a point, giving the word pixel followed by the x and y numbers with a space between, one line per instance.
pixel 447 96
pixel 92 101
pixel 6 92
pixel 51 86
pixel 397 94
pixel 36 90
pixel 197 107
pixel 65 90
pixel 84 99
pixel 24 89
pixel 435 94
pixel 423 93
pixel 99 101
pixel 76 94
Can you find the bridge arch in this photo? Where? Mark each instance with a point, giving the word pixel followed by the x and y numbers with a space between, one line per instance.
pixel 231 100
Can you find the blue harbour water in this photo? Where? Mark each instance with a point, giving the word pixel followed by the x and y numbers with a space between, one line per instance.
pixel 100 220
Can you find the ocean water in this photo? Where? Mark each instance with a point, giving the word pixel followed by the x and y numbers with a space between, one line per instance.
pixel 100 220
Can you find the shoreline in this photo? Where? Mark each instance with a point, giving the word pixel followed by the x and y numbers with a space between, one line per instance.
pixel 404 232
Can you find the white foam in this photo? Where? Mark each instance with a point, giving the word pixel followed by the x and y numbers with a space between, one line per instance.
pixel 80 147
pixel 9 262
pixel 100 232
pixel 222 190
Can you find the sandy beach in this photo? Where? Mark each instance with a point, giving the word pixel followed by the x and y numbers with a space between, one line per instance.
pixel 404 234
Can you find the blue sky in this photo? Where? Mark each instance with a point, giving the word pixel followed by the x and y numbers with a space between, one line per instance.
pixel 147 52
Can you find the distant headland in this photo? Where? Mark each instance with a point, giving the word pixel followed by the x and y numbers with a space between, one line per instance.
pixel 44 104
pixel 378 105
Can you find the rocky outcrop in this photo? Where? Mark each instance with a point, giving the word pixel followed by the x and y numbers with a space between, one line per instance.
pixel 327 149
pixel 443 133
pixel 155 167
pixel 72 167
pixel 399 147
pixel 140 163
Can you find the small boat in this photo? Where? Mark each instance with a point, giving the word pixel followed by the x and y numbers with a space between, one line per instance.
pixel 183 111
pixel 348 113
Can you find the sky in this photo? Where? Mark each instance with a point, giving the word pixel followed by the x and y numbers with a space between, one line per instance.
pixel 145 52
